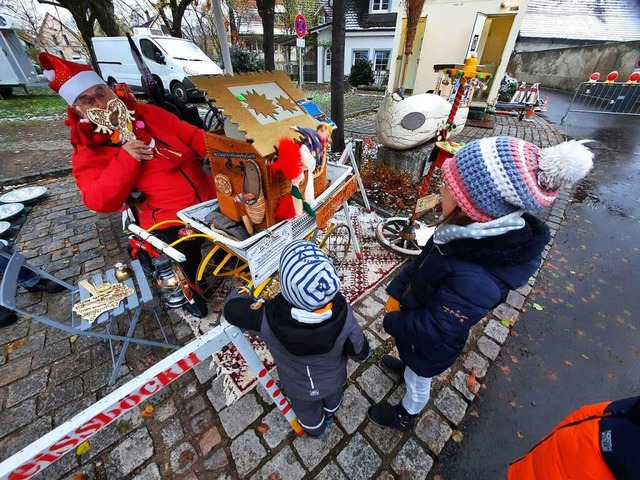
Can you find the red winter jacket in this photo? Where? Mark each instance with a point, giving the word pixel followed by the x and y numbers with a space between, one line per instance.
pixel 107 174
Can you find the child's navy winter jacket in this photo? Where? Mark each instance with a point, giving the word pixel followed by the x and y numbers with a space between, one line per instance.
pixel 450 287
pixel 311 357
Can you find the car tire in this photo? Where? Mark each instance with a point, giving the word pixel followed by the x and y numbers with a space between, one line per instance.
pixel 179 91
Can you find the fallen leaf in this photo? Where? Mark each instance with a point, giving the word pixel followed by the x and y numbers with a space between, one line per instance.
pixel 262 428
pixel 513 404
pixel 551 376
pixel 472 382
pixel 581 333
pixel 17 344
pixel 273 476
pixel 505 369
pixel 568 363
pixel 474 414
pixel 457 436
pixel 570 288
pixel 569 305
pixel 612 376
pixel 619 319
pixel 537 306
pixel 79 476
pixel 505 323
pixel 514 359
pixel 520 435
pixel 185 457
pixel 147 412
pixel 83 448
pixel 555 275
pixel 73 338
pixel 584 356
pixel 438 477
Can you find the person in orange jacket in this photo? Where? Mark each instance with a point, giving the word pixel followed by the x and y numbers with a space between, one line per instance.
pixel 596 442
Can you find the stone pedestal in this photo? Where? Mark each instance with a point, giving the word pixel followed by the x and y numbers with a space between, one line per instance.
pixel 411 161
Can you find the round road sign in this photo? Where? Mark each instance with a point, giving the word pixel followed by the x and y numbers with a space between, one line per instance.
pixel 300 25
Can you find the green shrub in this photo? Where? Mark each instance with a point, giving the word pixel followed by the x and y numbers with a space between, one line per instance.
pixel 508 87
pixel 245 61
pixel 361 73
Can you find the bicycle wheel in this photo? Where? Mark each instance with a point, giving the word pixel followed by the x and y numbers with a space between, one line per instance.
pixel 214 272
pixel 336 244
pixel 395 235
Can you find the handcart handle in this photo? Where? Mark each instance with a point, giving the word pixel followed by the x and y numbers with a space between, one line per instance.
pixel 157 243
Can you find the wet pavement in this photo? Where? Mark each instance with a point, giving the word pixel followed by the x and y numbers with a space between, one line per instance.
pixel 581 344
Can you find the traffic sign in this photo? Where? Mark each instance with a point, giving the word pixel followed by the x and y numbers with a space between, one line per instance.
pixel 300 42
pixel 300 25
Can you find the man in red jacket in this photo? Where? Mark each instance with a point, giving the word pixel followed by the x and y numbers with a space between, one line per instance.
pixel 121 146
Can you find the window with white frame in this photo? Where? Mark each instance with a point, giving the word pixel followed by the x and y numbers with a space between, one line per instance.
pixel 357 54
pixel 327 57
pixel 381 60
pixel 379 6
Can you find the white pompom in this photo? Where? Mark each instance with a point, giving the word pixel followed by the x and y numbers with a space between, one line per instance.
pixel 49 74
pixel 564 164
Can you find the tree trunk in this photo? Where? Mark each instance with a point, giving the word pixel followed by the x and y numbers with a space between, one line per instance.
pixel 266 10
pixel 337 73
pixel 105 16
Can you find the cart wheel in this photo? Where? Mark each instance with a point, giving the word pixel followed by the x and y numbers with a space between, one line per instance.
pixel 215 268
pixel 398 236
pixel 269 288
pixel 336 244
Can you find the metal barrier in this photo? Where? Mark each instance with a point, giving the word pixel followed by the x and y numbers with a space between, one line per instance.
pixel 613 98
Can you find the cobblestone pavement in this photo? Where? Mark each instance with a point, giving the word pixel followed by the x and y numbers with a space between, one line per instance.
pixel 46 378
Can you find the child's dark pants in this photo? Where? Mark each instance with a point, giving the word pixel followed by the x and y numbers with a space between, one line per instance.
pixel 312 414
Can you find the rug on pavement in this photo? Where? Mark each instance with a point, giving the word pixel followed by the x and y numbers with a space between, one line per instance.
pixel 358 277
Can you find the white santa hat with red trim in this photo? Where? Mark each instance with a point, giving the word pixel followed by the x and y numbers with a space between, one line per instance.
pixel 68 79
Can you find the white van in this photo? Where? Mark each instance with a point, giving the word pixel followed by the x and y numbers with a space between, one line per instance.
pixel 16 68
pixel 171 60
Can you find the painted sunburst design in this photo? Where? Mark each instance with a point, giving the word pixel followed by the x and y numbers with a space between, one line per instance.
pixel 260 104
pixel 286 104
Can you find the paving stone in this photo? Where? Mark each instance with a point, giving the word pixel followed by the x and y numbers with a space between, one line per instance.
pixel 132 452
pixel 26 345
pixel 216 394
pixel 283 465
pixel 352 366
pixel 353 410
pixel 488 348
pixel 240 415
pixel 67 368
pixel 515 299
pixel 30 428
pixel 183 458
pixel 247 452
pixel 358 459
pixel 474 360
pixel 27 387
pixel 370 308
pixel 20 329
pixel 279 428
pixel 50 354
pixel 385 439
pixel 59 395
pixel 208 440
pixel 194 406
pixel 385 475
pixel 99 377
pixel 375 383
pixel 71 409
pixel 187 391
pixel 164 411
pixel 433 430
pixel 496 331
pixel 381 293
pixel 3 360
pixel 113 433
pixel 331 472
pixel 459 382
pixel 61 468
pixel 172 432
pixel 396 397
pixel 374 341
pixel 412 461
pixel 150 472
pixel 506 313
pixel 16 417
pixel 525 290
pixel 376 327
pixel 451 405
pixel 217 461
pixel 13 371
pixel 360 319
pixel 205 371
pixel 312 451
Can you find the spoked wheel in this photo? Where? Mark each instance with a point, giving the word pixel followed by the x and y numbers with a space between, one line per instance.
pixel 336 244
pixel 398 236
pixel 214 272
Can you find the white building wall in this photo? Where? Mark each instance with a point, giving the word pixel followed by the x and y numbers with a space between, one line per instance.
pixel 448 31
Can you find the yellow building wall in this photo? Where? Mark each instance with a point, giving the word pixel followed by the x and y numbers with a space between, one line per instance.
pixel 449 25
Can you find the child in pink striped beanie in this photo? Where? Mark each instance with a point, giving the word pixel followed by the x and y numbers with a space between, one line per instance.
pixel 486 244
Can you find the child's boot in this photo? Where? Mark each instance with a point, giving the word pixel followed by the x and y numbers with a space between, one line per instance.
pixel 392 417
pixel 394 364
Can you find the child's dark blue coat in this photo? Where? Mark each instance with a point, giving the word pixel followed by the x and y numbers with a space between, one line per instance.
pixel 450 287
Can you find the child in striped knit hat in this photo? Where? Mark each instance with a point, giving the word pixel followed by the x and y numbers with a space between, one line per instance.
pixel 310 330
pixel 485 245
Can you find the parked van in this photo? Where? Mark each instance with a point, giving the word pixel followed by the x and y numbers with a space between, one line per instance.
pixel 16 68
pixel 171 60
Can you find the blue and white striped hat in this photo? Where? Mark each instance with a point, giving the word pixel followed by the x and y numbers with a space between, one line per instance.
pixel 308 279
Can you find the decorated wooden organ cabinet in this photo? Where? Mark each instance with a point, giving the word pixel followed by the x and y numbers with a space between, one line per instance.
pixel 269 161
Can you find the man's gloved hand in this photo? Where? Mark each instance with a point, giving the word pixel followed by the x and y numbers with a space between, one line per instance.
pixel 392 305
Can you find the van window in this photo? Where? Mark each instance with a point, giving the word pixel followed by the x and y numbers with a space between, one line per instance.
pixel 149 49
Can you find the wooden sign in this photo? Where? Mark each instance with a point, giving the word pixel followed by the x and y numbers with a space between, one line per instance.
pixel 326 211
pixel 427 203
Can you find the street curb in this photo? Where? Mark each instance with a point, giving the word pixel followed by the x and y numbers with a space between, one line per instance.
pixel 32 177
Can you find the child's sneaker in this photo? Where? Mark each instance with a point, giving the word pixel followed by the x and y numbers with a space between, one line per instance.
pixel 328 419
pixel 316 437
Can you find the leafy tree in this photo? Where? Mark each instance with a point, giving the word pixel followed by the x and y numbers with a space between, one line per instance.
pixel 361 73
pixel 243 60
pixel 177 10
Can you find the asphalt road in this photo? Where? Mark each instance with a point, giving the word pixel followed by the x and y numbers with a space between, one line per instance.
pixel 583 346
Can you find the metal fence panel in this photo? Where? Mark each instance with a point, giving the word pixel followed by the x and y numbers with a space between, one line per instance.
pixel 614 98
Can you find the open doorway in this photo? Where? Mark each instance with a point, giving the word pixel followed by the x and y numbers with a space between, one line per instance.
pixel 488 40
pixel 414 58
